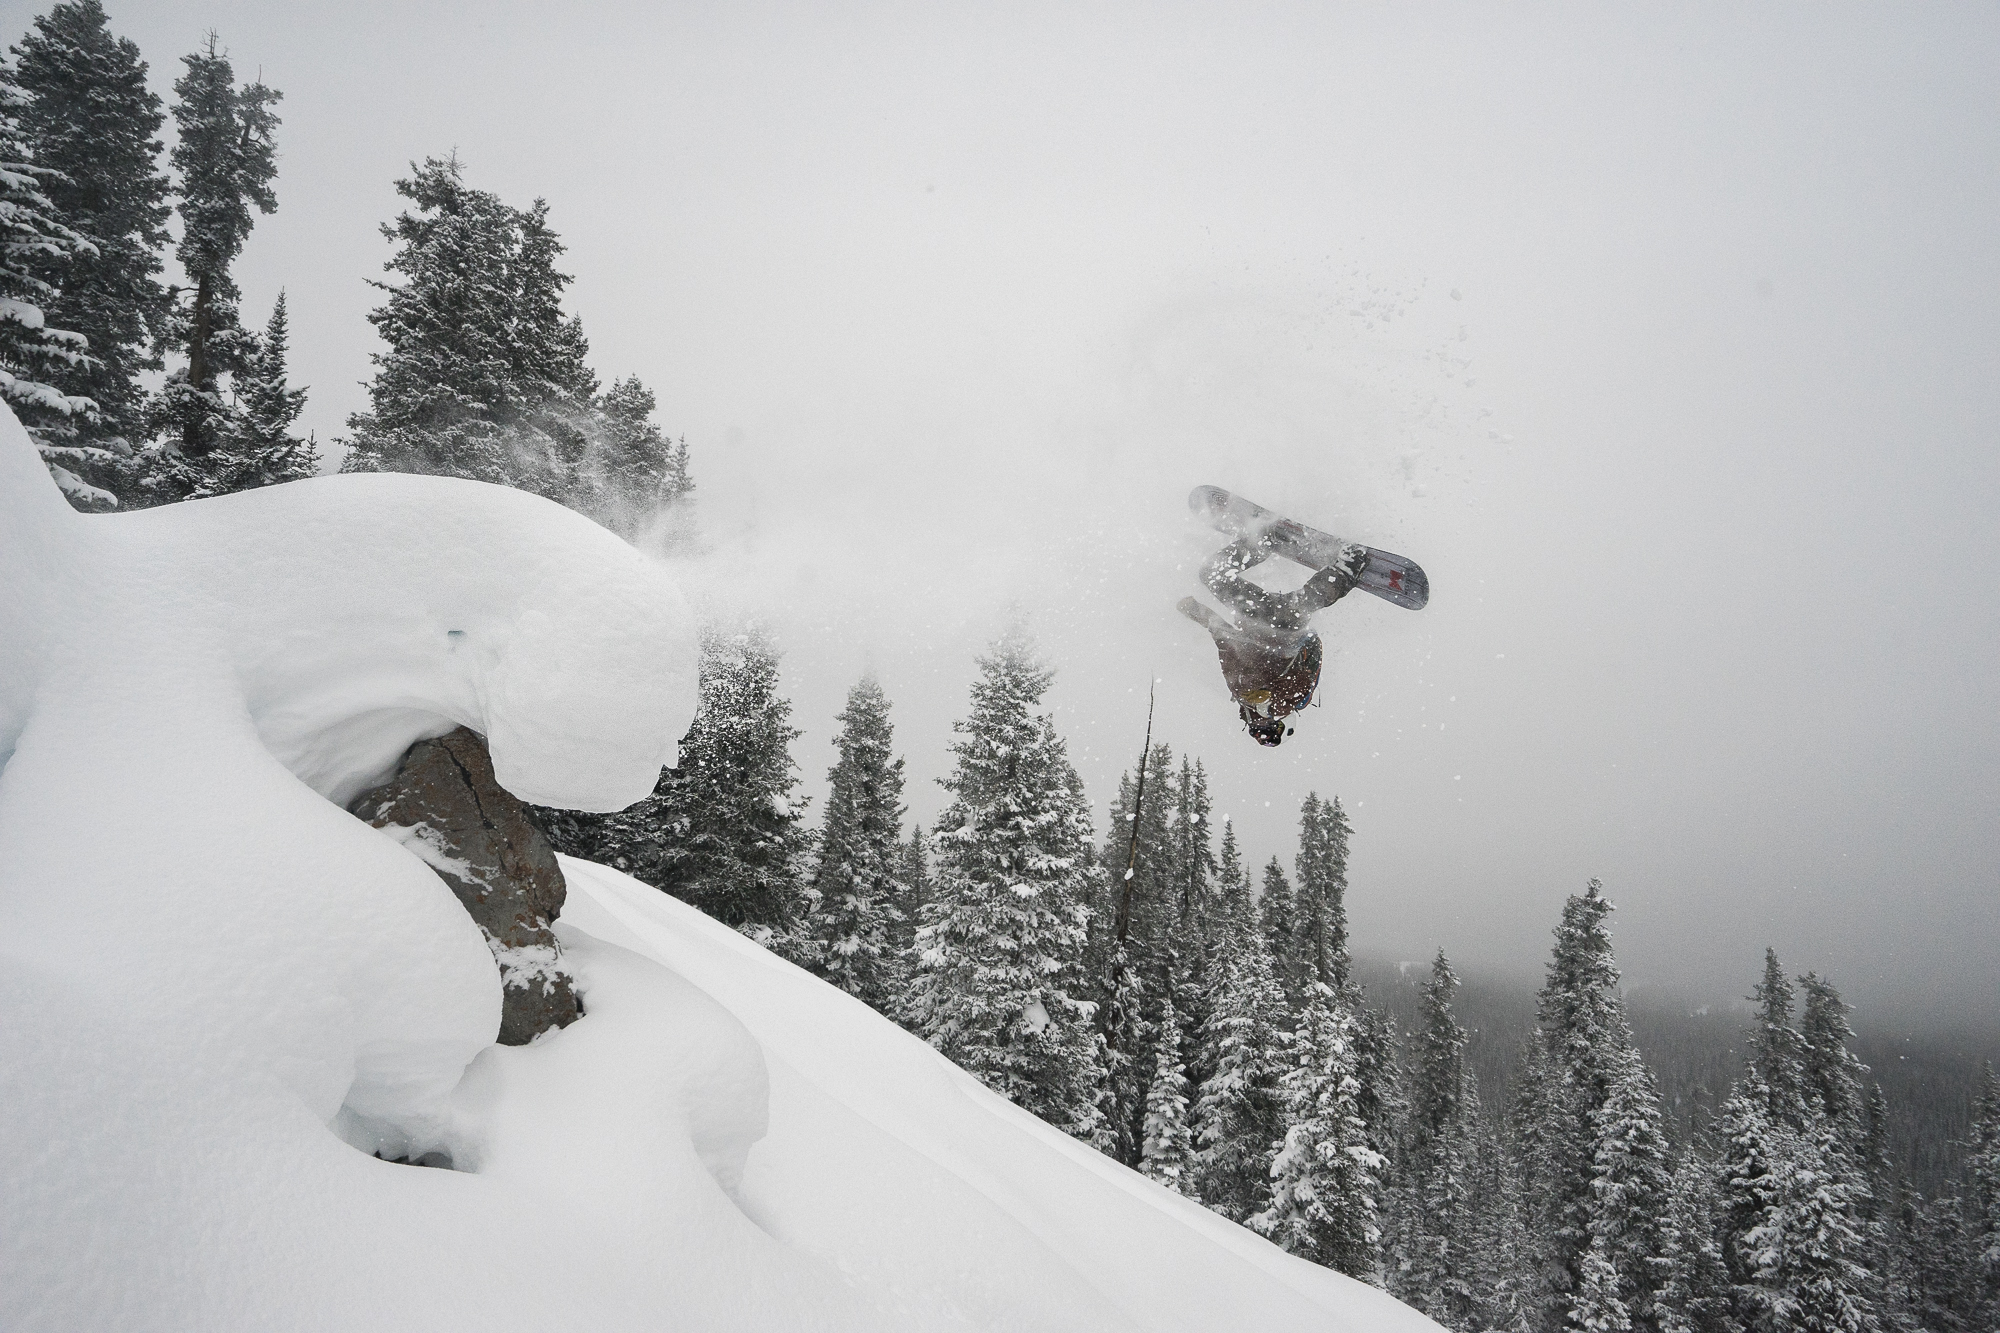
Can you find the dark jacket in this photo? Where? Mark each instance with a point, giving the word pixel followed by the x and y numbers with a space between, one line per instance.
pixel 1258 669
pixel 1262 667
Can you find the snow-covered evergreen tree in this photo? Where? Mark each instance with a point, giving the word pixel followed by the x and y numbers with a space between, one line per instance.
pixel 1751 1146
pixel 1133 943
pixel 226 157
pixel 1503 1259
pixel 256 446
pixel 1322 890
pixel 1594 1303
pixel 1584 1054
pixel 1433 1248
pixel 913 872
pixel 1379 1103
pixel 92 128
pixel 853 898
pixel 1239 1112
pixel 631 474
pixel 1000 945
pixel 1150 896
pixel 1805 1255
pixel 1326 1176
pixel 1776 1057
pixel 1278 911
pixel 722 829
pixel 1792 1195
pixel 1193 853
pixel 478 346
pixel 486 377
pixel 1694 1294
pixel 33 239
pixel 1197 935
pixel 1630 1188
pixel 1938 1267
pixel 1235 908
pixel 1982 1204
pixel 1167 1152
pixel 1831 1076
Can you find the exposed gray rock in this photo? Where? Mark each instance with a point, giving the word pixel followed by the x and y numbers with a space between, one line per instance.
pixel 444 805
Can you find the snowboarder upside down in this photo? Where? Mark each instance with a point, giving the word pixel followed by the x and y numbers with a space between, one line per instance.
pixel 1271 659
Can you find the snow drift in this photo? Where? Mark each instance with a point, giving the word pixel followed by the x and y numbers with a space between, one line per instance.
pixel 221 996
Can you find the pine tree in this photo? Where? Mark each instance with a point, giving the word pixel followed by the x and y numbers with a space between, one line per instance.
pixel 1434 1224
pixel 1235 911
pixel 1830 1074
pixel 549 350
pixel 1896 1260
pixel 1694 1295
pixel 1982 1205
pixel 1874 1152
pixel 1000 946
pixel 1595 1306
pixel 1278 908
pixel 256 445
pixel 1939 1266
pixel 33 238
pixel 722 830
pixel 93 128
pixel 1503 1253
pixel 852 913
pixel 1379 1105
pixel 630 474
pixel 1152 890
pixel 226 156
pixel 1193 856
pixel 1168 1148
pixel 1584 1052
pixel 1196 937
pixel 1776 1056
pixel 913 872
pixel 1631 1185
pixel 1792 1225
pixel 1881 1214
pixel 444 390
pixel 486 377
pixel 1749 1161
pixel 1239 1112
pixel 1133 944
pixel 1805 1255
pixel 1325 1177
pixel 1322 890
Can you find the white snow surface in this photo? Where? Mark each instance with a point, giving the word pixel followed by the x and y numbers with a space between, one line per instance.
pixel 221 995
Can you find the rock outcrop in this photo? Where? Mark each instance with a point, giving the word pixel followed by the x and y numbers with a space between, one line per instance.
pixel 445 805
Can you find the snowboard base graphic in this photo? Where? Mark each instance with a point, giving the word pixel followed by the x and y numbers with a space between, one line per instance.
pixel 1392 577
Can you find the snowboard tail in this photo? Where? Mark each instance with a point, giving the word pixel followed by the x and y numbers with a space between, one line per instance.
pixel 1392 577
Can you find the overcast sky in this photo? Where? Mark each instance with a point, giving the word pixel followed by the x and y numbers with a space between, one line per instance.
pixel 1666 338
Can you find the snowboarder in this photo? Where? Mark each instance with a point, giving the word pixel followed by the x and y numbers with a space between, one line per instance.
pixel 1271 659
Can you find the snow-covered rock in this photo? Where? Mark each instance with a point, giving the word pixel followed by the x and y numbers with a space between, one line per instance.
pixel 221 995
pixel 444 805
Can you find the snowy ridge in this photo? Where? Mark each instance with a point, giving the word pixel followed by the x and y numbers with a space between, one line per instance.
pixel 1074 1240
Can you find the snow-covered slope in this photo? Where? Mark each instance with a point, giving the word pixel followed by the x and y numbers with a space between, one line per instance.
pixel 219 993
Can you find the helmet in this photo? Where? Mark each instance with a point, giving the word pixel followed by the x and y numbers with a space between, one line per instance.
pixel 1265 730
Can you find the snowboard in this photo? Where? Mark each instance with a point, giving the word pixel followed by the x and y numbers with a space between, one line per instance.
pixel 1391 577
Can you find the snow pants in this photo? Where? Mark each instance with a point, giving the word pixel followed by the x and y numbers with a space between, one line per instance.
pixel 1286 612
